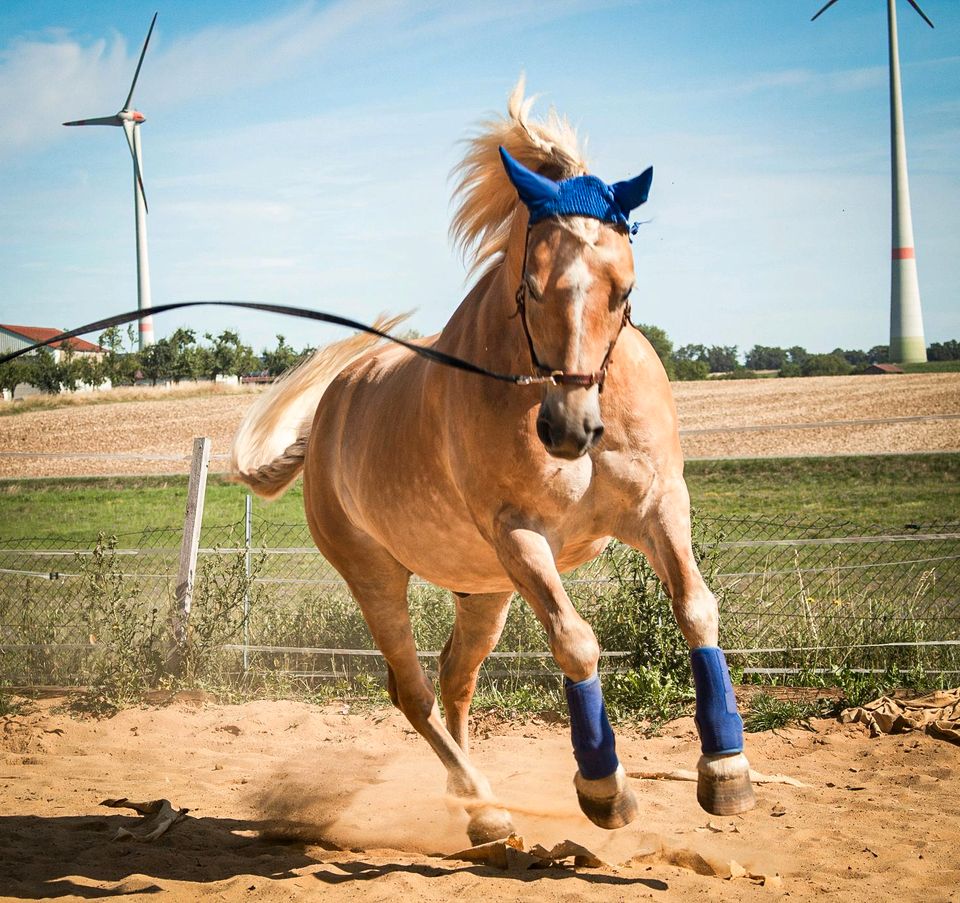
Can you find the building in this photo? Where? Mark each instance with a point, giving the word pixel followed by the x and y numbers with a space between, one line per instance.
pixel 13 338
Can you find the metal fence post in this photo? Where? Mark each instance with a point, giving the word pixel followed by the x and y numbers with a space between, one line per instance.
pixel 188 550
pixel 247 537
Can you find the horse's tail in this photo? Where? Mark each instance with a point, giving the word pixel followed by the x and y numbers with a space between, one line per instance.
pixel 271 443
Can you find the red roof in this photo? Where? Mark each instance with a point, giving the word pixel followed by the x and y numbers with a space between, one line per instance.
pixel 40 333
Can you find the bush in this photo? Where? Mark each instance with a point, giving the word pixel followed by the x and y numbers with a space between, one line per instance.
pixel 690 370
pixel 825 365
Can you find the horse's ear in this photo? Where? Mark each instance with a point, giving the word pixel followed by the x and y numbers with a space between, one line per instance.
pixel 533 188
pixel 632 193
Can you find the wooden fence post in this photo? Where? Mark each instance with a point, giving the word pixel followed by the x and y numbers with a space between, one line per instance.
pixel 188 552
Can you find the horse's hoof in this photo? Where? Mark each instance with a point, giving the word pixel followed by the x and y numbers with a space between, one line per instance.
pixel 488 824
pixel 608 802
pixel 723 784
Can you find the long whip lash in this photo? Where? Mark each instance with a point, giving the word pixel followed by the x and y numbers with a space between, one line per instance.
pixel 431 354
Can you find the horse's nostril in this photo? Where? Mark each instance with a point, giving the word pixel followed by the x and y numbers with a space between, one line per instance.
pixel 596 434
pixel 544 432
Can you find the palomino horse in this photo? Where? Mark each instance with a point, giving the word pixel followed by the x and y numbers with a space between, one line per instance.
pixel 487 488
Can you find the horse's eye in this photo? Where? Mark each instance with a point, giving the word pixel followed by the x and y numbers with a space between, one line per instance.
pixel 532 288
pixel 626 295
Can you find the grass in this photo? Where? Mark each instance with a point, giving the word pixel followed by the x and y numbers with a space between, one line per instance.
pixel 873 489
pixel 932 367
pixel 887 489
pixel 80 507
pixel 767 713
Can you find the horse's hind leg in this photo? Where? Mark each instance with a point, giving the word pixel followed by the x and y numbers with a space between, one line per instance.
pixel 480 620
pixel 663 535
pixel 383 600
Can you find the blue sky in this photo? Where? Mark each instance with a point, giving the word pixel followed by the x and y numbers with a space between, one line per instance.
pixel 299 153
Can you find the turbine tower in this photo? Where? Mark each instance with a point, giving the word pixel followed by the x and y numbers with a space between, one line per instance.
pixel 907 344
pixel 130 120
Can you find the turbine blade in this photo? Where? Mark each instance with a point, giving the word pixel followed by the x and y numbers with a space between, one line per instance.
pixel 823 10
pixel 923 15
pixel 100 120
pixel 143 53
pixel 128 128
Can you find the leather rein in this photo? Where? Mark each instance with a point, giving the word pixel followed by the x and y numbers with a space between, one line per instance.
pixel 544 375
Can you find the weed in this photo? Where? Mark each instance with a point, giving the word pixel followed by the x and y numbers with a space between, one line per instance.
pixel 125 632
pixel 645 693
pixel 9 706
pixel 767 713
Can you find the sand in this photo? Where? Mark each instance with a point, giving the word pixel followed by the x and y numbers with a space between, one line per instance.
pixel 745 418
pixel 291 801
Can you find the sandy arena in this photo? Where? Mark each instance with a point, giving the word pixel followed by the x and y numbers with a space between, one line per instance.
pixel 289 801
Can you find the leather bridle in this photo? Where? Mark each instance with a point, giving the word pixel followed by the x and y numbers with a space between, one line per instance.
pixel 561 377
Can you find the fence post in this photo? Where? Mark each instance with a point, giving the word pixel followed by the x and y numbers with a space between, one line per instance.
pixel 248 540
pixel 188 550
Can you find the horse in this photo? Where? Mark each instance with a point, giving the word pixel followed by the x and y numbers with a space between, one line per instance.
pixel 487 488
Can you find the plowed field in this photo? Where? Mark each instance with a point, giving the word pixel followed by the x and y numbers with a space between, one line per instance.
pixel 746 418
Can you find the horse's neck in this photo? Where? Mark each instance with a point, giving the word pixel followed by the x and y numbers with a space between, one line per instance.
pixel 485 329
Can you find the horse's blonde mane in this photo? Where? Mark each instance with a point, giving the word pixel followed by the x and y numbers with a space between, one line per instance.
pixel 490 220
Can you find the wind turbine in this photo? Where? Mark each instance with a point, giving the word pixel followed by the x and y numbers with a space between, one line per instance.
pixel 129 120
pixel 907 343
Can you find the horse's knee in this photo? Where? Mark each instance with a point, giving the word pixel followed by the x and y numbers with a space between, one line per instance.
pixel 697 616
pixel 576 650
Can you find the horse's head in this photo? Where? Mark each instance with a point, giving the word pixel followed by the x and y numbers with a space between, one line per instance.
pixel 577 275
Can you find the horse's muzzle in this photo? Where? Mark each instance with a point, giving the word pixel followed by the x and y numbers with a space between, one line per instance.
pixel 566 437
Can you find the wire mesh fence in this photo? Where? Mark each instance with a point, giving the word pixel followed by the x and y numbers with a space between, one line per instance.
pixel 795 596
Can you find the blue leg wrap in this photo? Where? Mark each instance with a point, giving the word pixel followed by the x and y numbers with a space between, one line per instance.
pixel 593 743
pixel 721 730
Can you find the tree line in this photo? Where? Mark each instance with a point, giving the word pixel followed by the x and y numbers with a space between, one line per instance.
pixel 698 361
pixel 181 356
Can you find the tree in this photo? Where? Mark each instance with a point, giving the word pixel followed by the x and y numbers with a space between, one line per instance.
pixel 852 356
pixel 188 359
pixel 229 356
pixel 92 370
pixel 281 358
pixel 879 354
pixel 763 357
pixel 13 373
pixel 661 344
pixel 156 360
pixel 797 355
pixel 44 372
pixel 722 358
pixel 119 366
pixel 944 351
pixel 71 373
pixel 691 353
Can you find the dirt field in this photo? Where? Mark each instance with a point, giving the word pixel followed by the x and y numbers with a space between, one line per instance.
pixel 290 801
pixel 771 417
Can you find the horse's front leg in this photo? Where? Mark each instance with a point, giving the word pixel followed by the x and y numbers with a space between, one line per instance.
pixel 601 783
pixel 662 533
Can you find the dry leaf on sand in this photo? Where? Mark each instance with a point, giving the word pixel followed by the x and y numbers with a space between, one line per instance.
pixel 159 817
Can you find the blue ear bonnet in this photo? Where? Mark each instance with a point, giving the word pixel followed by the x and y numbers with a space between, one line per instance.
pixel 580 196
